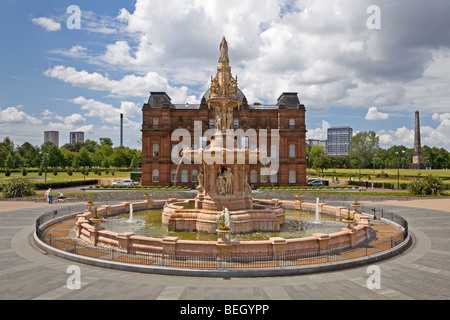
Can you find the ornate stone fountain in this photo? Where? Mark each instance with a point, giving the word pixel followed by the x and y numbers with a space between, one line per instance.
pixel 223 180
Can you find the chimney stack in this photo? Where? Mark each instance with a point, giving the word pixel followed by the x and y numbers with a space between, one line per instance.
pixel 121 129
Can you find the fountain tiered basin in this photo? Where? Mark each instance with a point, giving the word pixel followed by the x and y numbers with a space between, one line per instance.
pixel 263 216
pixel 223 186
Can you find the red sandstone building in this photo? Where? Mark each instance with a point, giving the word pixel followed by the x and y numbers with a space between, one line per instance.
pixel 161 118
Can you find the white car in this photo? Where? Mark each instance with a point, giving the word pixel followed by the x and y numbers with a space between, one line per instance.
pixel 123 183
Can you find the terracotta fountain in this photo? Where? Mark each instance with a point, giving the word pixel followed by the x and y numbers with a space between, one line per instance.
pixel 223 181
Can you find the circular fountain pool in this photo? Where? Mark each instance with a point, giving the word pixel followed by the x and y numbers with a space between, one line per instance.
pixel 297 224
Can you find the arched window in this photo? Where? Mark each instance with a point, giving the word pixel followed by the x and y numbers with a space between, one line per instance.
pixel 173 176
pixel 253 176
pixel 194 176
pixel 292 176
pixel 184 176
pixel 155 176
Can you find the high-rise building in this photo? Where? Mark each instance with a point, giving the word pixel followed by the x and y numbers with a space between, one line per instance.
pixel 338 142
pixel 316 142
pixel 76 137
pixel 52 136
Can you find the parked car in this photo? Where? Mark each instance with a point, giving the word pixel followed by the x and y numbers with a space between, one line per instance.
pixel 124 183
pixel 315 183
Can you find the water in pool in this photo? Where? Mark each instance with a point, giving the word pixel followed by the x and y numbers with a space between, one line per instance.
pixel 298 224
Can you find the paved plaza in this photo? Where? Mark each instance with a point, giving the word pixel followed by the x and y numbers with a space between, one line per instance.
pixel 421 273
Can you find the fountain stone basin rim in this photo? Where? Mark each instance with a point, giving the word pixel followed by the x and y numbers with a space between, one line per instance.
pixel 129 241
pixel 268 217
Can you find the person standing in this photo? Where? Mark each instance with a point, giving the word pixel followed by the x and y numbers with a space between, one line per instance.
pixel 50 196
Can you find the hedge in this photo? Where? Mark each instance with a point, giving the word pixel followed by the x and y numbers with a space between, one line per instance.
pixel 64 184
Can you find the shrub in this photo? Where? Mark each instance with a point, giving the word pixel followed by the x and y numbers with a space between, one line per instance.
pixel 7 173
pixel 18 188
pixel 24 172
pixel 427 185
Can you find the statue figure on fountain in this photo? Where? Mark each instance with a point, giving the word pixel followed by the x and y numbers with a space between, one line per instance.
pixel 229 181
pixel 229 117
pixel 200 188
pixel 218 118
pixel 224 182
pixel 247 187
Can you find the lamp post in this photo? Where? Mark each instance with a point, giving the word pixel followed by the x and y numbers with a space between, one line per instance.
pixel 309 164
pixel 374 155
pixel 45 166
pixel 398 168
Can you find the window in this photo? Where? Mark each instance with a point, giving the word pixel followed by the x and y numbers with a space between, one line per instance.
pixel 184 176
pixel 292 123
pixel 292 151
pixel 174 176
pixel 212 123
pixel 155 176
pixel 175 151
pixel 274 178
pixel 155 150
pixel 263 178
pixel 236 123
pixel 203 142
pixel 194 176
pixel 292 176
pixel 244 142
pixel 155 123
pixel 253 176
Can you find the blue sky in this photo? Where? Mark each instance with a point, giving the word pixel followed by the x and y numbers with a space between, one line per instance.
pixel 54 78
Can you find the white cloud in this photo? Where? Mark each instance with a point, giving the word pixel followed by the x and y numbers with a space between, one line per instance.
pixel 431 136
pixel 319 133
pixel 90 129
pixel 374 114
pixel 107 113
pixel 13 115
pixel 74 120
pixel 400 136
pixel 47 23
pixel 77 51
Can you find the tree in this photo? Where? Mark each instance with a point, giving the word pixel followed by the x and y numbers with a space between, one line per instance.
pixel 134 163
pixel 342 162
pixel 54 156
pixel 10 162
pixel 323 162
pixel 85 158
pixel 91 145
pixel 30 155
pixel 6 148
pixel 119 158
pixel 362 148
pixel 314 153
pixel 106 142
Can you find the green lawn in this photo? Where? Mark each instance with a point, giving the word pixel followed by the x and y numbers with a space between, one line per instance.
pixel 63 176
pixel 406 174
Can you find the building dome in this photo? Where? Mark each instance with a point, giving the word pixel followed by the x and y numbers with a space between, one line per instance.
pixel 240 95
